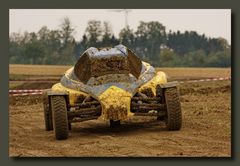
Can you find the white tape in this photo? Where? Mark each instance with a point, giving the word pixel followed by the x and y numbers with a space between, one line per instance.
pixel 26 90
pixel 26 94
pixel 206 80
pixel 35 80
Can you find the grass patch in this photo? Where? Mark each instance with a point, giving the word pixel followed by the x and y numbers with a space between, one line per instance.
pixel 13 85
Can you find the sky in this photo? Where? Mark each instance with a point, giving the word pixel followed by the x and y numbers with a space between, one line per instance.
pixel 211 22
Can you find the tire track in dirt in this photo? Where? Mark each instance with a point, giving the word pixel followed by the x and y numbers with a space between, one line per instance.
pixel 206 129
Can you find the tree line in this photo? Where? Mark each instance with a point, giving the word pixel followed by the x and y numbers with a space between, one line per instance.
pixel 150 42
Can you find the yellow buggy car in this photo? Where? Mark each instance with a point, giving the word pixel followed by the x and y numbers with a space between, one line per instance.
pixel 110 84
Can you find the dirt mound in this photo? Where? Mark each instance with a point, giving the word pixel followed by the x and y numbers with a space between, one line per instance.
pixel 36 85
pixel 209 89
pixel 25 100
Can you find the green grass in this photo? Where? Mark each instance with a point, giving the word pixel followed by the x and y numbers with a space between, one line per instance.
pixel 13 85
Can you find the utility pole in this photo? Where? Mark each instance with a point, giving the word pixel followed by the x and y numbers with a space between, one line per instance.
pixel 126 11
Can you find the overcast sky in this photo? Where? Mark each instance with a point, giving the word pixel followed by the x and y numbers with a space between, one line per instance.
pixel 211 22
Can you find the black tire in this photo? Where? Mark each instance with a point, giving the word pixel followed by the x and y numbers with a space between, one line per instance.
pixel 47 113
pixel 174 112
pixel 60 120
pixel 115 123
pixel 161 118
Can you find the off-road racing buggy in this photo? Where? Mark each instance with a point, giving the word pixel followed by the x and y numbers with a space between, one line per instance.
pixel 110 84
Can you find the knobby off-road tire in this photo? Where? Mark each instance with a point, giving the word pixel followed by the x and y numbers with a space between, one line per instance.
pixel 174 112
pixel 60 120
pixel 114 124
pixel 159 93
pixel 47 113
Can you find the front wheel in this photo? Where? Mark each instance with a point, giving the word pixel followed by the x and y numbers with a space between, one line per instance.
pixel 174 113
pixel 60 120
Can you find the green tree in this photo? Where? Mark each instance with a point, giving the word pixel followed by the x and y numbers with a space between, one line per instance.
pixel 195 59
pixel 168 58
pixel 220 58
pixel 126 37
pixel 15 48
pixel 150 36
pixel 66 31
pixel 33 53
pixel 107 35
pixel 68 42
pixel 93 33
pixel 150 42
pixel 51 43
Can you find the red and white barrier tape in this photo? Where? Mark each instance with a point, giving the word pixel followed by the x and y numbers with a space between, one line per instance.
pixel 27 92
pixel 35 80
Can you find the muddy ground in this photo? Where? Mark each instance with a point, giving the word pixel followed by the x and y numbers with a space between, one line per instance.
pixel 206 129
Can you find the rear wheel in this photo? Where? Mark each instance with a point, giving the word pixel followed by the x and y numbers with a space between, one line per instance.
pixel 174 113
pixel 47 113
pixel 60 120
pixel 159 93
pixel 115 123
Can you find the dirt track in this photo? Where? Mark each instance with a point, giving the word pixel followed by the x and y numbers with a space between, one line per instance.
pixel 206 129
